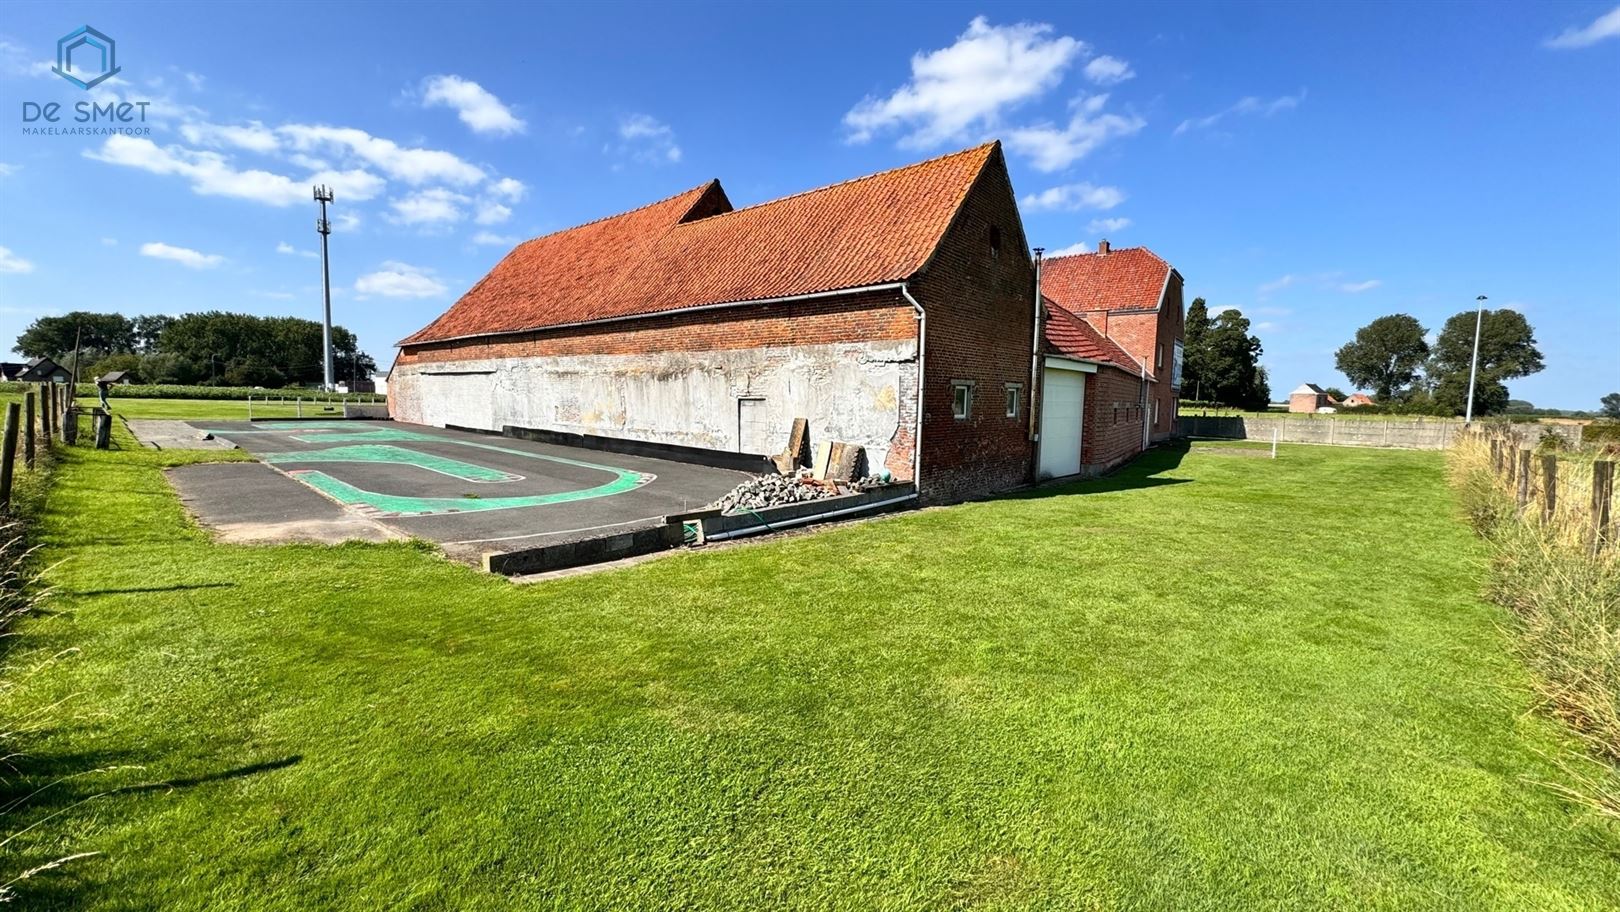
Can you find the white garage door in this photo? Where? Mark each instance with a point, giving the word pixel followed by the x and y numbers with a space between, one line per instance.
pixel 465 400
pixel 1063 400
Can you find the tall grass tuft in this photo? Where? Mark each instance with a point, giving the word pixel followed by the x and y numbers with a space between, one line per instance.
pixel 1567 602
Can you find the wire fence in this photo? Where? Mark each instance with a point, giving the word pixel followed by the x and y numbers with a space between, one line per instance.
pixel 1569 494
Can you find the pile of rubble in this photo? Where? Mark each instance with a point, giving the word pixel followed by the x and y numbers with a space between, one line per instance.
pixel 779 490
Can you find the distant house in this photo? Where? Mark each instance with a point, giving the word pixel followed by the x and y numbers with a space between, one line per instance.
pixel 44 370
pixel 1310 398
pixel 9 370
pixel 1356 400
pixel 117 378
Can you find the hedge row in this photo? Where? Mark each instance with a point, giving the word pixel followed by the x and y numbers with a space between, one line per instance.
pixel 175 391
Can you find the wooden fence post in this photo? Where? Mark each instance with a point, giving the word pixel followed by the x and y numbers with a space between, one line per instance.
pixel 28 430
pixel 1524 479
pixel 1496 456
pixel 1602 493
pixel 1549 488
pixel 103 429
pixel 70 425
pixel 45 415
pixel 1511 458
pixel 8 459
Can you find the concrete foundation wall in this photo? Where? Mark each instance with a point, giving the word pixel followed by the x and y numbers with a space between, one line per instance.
pixel 741 400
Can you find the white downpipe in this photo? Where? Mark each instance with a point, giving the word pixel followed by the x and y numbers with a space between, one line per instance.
pixel 1145 430
pixel 1035 370
pixel 922 353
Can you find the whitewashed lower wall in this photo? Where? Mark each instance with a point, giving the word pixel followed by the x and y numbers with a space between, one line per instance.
pixel 850 392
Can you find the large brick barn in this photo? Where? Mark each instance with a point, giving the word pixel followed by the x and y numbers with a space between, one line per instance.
pixel 694 323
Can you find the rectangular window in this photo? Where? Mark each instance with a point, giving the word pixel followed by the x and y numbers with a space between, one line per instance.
pixel 961 398
pixel 1155 413
pixel 1013 390
pixel 1158 357
pixel 1176 365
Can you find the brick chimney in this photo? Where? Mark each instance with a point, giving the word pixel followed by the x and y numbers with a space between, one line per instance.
pixel 1102 246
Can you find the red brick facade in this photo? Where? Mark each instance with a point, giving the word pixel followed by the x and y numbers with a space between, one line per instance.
pixel 1113 420
pixel 980 303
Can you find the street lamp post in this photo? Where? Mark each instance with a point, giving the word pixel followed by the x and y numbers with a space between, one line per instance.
pixel 1473 367
pixel 323 195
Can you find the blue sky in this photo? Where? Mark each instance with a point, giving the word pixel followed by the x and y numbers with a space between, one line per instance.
pixel 1314 165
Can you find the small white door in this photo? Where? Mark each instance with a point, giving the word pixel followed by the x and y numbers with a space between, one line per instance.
pixel 753 427
pixel 1063 405
pixel 464 399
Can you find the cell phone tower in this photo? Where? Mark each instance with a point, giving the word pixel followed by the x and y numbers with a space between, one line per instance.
pixel 323 195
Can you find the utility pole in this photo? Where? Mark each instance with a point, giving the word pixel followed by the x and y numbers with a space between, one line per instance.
pixel 1473 367
pixel 323 195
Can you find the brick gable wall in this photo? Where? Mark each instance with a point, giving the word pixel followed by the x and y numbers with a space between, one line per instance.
pixel 980 312
pixel 1112 423
pixel 1152 336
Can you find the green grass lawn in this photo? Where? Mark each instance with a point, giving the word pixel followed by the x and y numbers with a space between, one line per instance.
pixel 1209 682
pixel 186 409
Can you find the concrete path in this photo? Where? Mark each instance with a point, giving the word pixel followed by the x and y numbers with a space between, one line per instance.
pixel 251 503
pixel 163 434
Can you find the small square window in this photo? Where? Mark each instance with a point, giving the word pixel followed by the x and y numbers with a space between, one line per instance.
pixel 961 399
pixel 1013 390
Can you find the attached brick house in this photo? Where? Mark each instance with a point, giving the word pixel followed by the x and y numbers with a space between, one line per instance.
pixel 691 322
pixel 1114 397
pixel 1134 298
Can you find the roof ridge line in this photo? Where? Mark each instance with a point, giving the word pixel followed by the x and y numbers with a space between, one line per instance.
pixel 847 182
pixel 595 221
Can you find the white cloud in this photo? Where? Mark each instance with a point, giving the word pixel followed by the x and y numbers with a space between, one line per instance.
pixel 354 185
pixel 210 173
pixel 1359 287
pixel 255 137
pixel 477 107
pixel 647 139
pixel 345 222
pixel 1108 225
pixel 414 166
pixel 491 239
pixel 510 189
pixel 1278 284
pixel 967 87
pixel 185 256
pixel 429 207
pixel 12 263
pixel 290 250
pixel 1071 197
pixel 109 242
pixel 1106 70
pixel 399 280
pixel 1071 250
pixel 491 213
pixel 1244 106
pixel 1604 26
pixel 1052 148
pixel 6 170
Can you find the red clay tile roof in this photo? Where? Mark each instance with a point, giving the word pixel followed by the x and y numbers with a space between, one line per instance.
pixel 693 250
pixel 1067 334
pixel 1125 278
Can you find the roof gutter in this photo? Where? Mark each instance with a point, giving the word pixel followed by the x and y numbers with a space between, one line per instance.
pixel 886 286
pixel 922 352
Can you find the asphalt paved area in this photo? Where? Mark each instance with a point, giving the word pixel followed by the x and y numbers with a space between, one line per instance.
pixel 469 492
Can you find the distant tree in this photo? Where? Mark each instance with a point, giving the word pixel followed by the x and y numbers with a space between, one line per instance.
pixel 98 335
pixel 1507 350
pixel 149 330
pixel 1336 393
pixel 1195 349
pixel 1385 355
pixel 1611 405
pixel 128 363
pixel 1232 372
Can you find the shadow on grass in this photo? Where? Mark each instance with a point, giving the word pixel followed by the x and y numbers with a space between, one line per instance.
pixel 1141 472
pixel 57 784
pixel 136 590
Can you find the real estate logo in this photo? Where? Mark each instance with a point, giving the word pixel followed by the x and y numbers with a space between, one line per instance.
pixel 93 47
pixel 86 57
